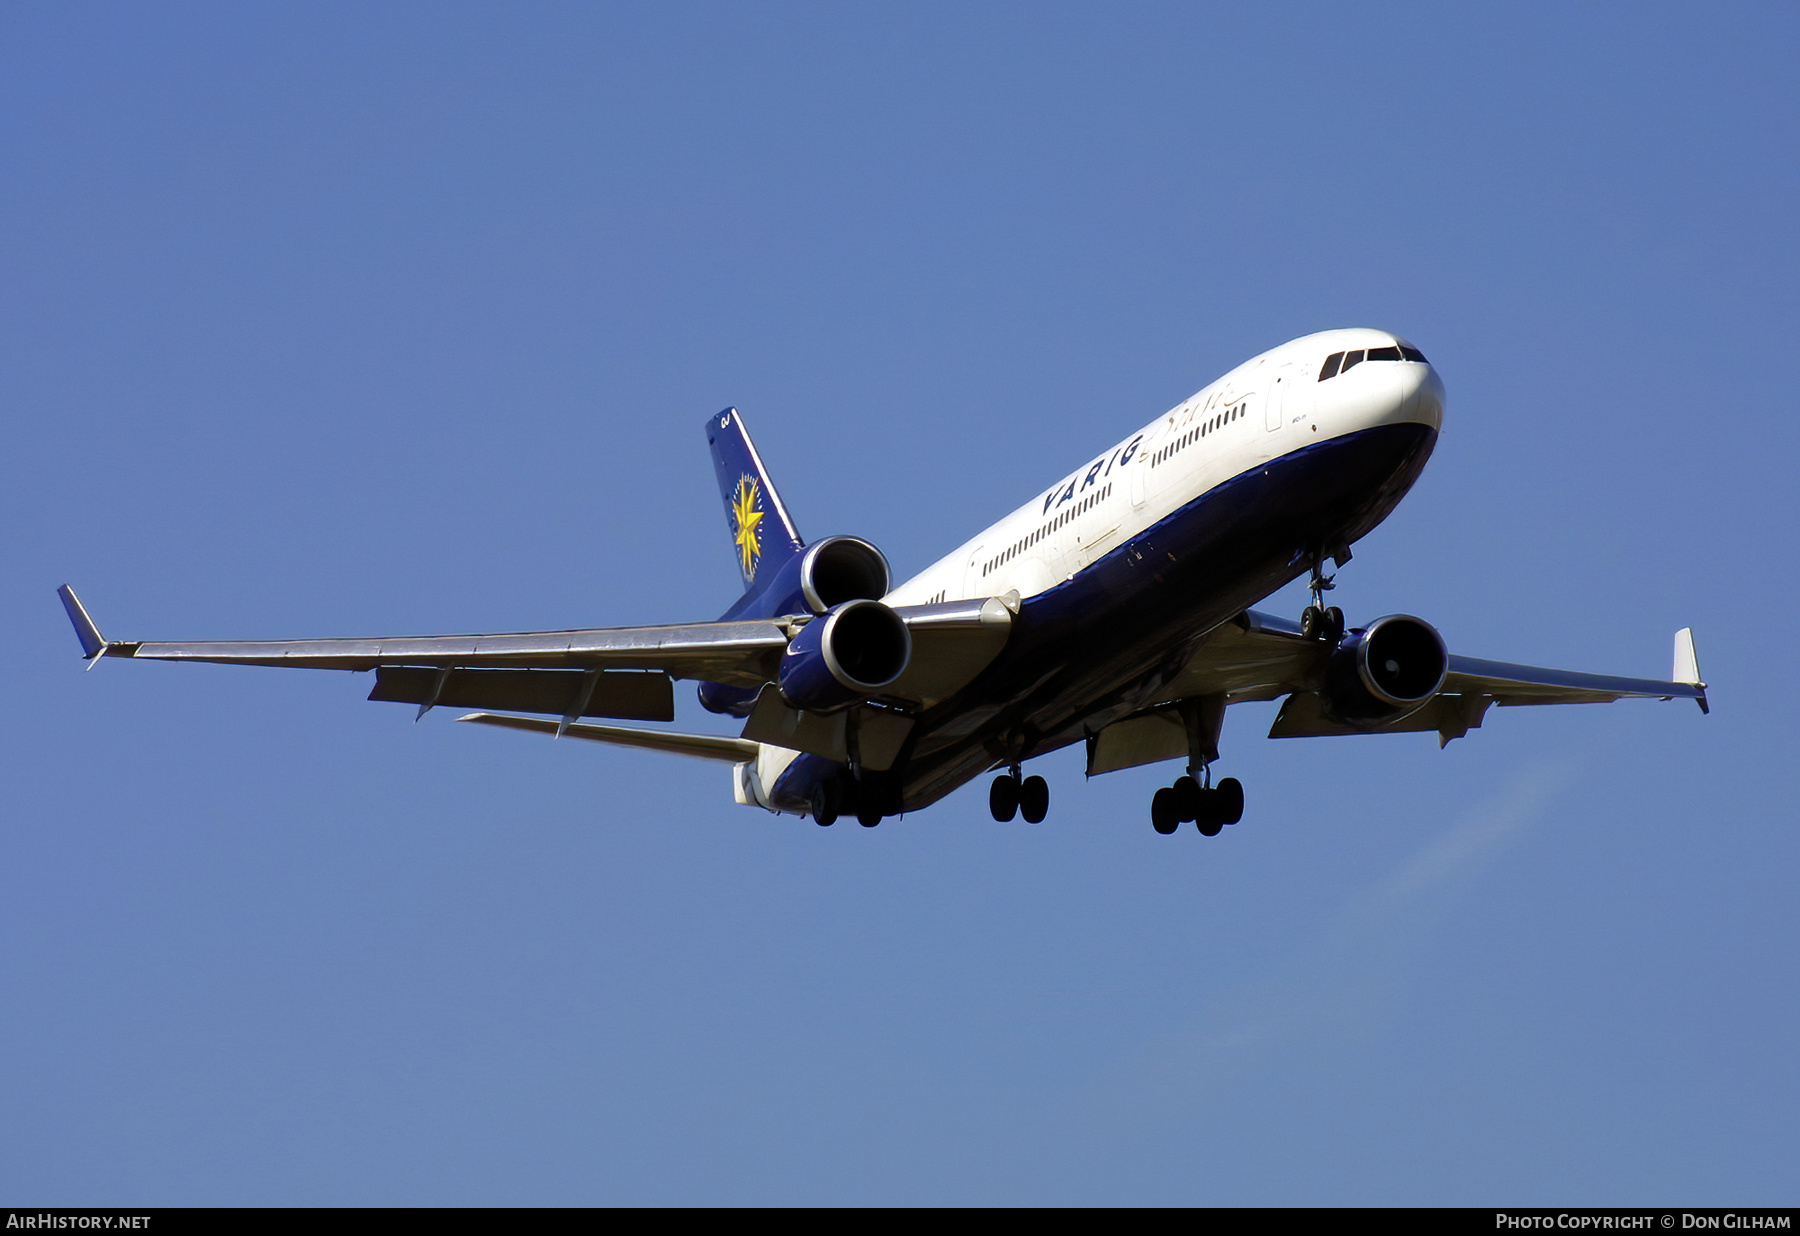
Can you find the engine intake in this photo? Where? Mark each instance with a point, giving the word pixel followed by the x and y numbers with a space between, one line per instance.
pixel 844 657
pixel 1385 670
pixel 842 568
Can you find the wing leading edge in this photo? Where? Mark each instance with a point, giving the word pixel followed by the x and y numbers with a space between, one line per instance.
pixel 744 653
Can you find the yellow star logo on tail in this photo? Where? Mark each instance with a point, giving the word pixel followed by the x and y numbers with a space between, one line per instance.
pixel 747 519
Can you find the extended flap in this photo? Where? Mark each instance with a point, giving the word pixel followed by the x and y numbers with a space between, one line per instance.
pixel 870 735
pixel 952 642
pixel 629 694
pixel 1452 716
pixel 1146 739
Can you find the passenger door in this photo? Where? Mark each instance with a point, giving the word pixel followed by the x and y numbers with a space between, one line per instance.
pixel 972 582
pixel 1275 404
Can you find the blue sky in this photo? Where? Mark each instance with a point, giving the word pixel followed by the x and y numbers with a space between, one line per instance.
pixel 356 319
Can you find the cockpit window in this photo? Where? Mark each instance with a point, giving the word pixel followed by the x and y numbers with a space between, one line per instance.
pixel 1341 362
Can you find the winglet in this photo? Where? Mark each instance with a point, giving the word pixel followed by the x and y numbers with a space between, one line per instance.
pixel 1687 665
pixel 92 643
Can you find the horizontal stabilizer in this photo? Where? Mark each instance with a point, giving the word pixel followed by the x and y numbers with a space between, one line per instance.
pixel 700 746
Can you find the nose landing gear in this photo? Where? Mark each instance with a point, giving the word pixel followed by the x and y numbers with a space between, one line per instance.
pixel 1319 621
pixel 1322 624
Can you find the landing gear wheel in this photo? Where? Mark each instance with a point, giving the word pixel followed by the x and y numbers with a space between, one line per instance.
pixel 868 817
pixel 1003 797
pixel 1312 623
pixel 1230 800
pixel 1208 821
pixel 1163 817
pixel 825 804
pixel 1186 795
pixel 1034 799
pixel 1334 624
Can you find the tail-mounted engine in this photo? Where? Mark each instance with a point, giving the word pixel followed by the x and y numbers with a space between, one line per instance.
pixel 824 575
pixel 846 656
pixel 839 569
pixel 1384 671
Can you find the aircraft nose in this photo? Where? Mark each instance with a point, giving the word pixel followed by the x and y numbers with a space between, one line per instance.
pixel 1420 394
pixel 1381 391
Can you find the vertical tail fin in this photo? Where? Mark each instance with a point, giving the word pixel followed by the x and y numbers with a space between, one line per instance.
pixel 762 532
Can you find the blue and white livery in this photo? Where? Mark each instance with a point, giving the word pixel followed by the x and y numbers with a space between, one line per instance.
pixel 1112 609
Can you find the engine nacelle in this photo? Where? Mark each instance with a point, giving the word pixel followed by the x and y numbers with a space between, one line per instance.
pixel 821 577
pixel 844 657
pixel 842 568
pixel 1384 671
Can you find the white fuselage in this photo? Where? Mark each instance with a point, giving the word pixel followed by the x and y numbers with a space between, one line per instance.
pixel 1270 406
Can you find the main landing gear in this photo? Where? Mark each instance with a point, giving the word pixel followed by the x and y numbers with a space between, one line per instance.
pixel 1194 796
pixel 1211 808
pixel 1009 796
pixel 828 804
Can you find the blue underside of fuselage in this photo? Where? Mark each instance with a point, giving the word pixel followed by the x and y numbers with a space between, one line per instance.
pixel 1103 644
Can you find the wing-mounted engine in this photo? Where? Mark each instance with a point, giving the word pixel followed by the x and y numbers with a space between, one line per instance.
pixel 1384 671
pixel 845 657
pixel 1382 677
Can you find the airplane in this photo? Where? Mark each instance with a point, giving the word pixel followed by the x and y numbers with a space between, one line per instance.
pixel 1111 610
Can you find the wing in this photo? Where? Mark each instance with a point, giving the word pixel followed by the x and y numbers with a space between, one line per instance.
pixel 1262 657
pixel 605 672
pixel 742 653
pixel 597 672
pixel 1473 685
